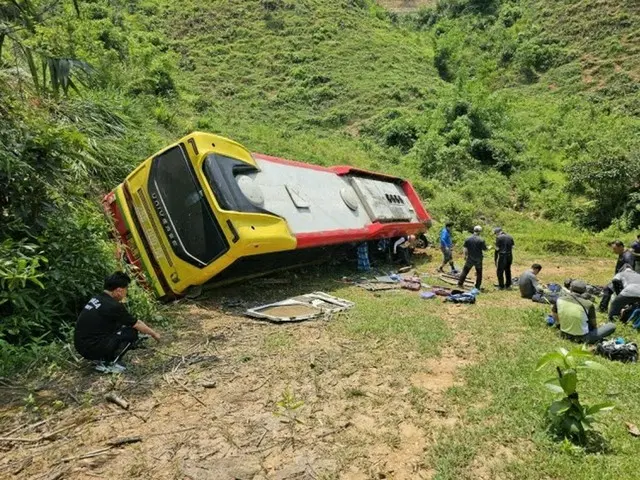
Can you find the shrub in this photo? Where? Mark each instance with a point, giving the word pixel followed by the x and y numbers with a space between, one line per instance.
pixel 569 417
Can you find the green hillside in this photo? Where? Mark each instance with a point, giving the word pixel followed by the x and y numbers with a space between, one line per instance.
pixel 521 112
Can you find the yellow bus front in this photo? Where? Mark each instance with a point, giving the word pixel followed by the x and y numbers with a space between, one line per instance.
pixel 190 221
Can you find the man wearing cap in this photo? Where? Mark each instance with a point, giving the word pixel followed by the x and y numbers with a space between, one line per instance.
pixel 576 317
pixel 503 257
pixel 625 257
pixel 474 248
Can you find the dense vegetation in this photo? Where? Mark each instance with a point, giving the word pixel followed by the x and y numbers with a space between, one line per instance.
pixel 502 111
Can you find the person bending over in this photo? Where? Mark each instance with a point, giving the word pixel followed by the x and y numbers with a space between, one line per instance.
pixel 403 249
pixel 625 257
pixel 105 330
pixel 626 285
pixel 576 317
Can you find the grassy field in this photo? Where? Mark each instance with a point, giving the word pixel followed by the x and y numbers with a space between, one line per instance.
pixel 398 388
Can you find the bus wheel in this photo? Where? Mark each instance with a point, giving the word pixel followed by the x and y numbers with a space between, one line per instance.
pixel 194 291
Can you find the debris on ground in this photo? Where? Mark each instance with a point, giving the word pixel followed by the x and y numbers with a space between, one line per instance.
pixel 633 430
pixel 300 308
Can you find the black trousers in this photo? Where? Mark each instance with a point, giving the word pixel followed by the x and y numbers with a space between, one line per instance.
pixel 620 302
pixel 503 265
pixel 404 256
pixel 111 347
pixel 607 293
pixel 467 269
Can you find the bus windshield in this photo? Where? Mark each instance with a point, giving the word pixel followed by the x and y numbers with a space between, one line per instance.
pixel 191 227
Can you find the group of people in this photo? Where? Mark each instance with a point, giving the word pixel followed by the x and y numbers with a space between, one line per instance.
pixel 474 248
pixel 574 312
pixel 105 330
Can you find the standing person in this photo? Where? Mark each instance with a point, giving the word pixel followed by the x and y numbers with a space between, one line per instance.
pixel 403 248
pixel 625 257
pixel 503 257
pixel 474 248
pixel 635 248
pixel 105 330
pixel 576 317
pixel 363 257
pixel 446 245
pixel 528 282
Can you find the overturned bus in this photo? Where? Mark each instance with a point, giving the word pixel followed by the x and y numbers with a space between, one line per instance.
pixel 206 210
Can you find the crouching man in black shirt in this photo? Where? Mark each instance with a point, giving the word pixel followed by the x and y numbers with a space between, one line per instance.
pixel 105 330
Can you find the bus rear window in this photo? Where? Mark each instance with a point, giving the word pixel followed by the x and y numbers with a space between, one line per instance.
pixel 187 218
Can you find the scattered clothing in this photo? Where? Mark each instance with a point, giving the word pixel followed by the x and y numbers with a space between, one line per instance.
pixel 104 329
pixel 363 257
pixel 623 352
pixel 545 298
pixel 467 298
pixel 528 284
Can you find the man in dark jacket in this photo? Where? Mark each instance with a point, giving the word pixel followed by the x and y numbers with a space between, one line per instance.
pixel 474 248
pixel 105 330
pixel 625 257
pixel 503 257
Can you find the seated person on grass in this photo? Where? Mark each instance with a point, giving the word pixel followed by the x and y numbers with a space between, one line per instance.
pixel 576 317
pixel 528 282
pixel 105 330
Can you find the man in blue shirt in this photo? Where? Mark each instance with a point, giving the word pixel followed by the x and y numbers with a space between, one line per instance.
pixel 446 245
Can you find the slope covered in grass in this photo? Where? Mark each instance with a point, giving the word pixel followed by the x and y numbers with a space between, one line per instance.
pixel 494 109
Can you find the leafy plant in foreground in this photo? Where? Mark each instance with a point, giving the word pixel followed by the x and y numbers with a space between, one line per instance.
pixel 569 417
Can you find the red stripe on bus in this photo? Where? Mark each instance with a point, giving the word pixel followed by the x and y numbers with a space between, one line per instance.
pixel 372 232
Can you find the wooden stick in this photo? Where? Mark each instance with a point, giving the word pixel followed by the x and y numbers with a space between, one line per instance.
pixel 188 390
pixel 24 425
pixel 46 436
pixel 337 430
pixel 261 438
pixel 172 432
pixel 124 441
pixel 94 453
pixel 260 386
pixel 24 464
pixel 114 398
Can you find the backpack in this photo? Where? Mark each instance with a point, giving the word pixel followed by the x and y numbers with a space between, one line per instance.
pixel 461 298
pixel 626 352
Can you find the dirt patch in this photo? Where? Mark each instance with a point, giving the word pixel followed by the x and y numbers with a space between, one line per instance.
pixel 357 417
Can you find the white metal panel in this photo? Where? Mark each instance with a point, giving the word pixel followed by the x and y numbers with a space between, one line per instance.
pixel 320 190
pixel 384 201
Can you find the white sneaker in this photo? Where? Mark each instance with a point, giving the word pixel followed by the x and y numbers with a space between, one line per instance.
pixel 109 367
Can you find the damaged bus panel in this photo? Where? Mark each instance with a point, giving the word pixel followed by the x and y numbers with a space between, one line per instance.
pixel 206 210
